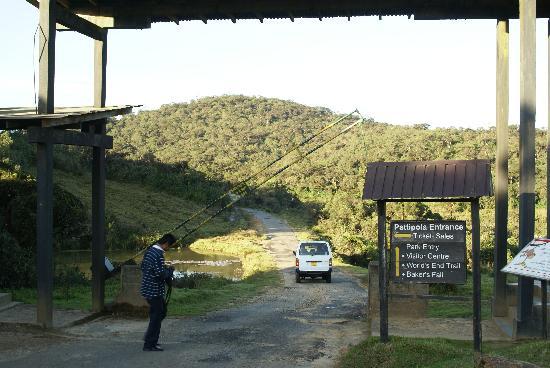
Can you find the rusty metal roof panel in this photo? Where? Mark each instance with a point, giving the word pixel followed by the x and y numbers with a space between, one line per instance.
pixel 428 180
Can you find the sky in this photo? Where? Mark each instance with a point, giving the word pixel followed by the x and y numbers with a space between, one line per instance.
pixel 395 70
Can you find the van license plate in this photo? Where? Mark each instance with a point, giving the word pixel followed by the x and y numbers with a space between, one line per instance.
pixel 314 264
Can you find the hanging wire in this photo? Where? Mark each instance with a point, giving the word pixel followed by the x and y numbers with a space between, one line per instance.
pixel 34 68
pixel 302 157
pixel 244 189
pixel 242 185
pixel 38 27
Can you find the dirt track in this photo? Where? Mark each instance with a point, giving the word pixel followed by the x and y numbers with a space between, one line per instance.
pixel 297 325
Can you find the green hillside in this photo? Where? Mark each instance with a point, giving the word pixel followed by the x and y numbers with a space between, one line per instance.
pixel 194 151
pixel 226 138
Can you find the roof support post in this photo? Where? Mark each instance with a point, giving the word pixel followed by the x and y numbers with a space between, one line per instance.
pixel 98 181
pixel 527 15
pixel 500 308
pixel 44 233
pixel 100 70
pixel 44 167
pixel 382 271
pixel 46 58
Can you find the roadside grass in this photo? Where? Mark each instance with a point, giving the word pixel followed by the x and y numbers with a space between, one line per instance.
pixel 143 210
pixel 438 353
pixel 259 274
pixel 69 297
pixel 436 308
pixel 147 211
pixel 361 273
pixel 302 225
pixel 459 309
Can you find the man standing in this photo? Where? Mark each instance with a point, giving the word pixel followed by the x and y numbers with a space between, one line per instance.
pixel 155 275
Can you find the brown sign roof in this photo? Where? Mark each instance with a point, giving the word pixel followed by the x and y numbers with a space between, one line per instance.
pixel 428 179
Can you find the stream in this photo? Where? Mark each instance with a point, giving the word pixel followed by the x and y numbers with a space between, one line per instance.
pixel 183 260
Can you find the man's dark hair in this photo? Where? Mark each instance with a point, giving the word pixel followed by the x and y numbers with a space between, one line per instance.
pixel 167 238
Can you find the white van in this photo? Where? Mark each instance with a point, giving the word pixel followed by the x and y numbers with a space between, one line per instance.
pixel 313 259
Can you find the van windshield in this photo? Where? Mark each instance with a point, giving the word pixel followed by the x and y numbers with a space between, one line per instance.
pixel 314 249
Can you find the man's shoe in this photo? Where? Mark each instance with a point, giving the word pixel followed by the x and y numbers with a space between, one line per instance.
pixel 154 348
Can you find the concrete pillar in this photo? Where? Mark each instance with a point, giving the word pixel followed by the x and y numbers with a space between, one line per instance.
pixel 500 308
pixel 527 13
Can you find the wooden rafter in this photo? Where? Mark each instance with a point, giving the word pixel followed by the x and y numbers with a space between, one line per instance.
pixel 74 22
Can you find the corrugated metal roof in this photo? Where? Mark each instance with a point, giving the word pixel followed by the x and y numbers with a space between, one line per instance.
pixel 428 179
pixel 140 11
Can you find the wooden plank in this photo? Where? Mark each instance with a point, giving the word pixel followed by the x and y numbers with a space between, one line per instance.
pixel 369 181
pixel 427 188
pixel 398 181
pixel 389 180
pixel 59 112
pixel 469 180
pixel 460 178
pixel 482 181
pixel 22 118
pixel 56 136
pixel 50 122
pixel 408 181
pixel 449 180
pixel 379 181
pixel 439 175
pixel 46 56
pixel 418 181
pixel 73 21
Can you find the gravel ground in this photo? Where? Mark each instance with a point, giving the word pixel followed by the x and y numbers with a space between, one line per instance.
pixel 296 325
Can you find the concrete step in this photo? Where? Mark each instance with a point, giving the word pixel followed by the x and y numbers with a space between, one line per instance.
pixel 506 325
pixel 537 309
pixel 8 306
pixel 5 298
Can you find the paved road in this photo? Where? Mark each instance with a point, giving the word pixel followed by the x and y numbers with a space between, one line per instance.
pixel 297 325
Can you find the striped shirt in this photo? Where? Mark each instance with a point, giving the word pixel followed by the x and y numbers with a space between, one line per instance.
pixel 154 273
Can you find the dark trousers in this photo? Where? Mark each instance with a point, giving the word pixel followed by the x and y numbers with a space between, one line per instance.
pixel 157 312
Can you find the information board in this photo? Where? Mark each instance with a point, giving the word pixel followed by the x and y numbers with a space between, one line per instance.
pixel 532 261
pixel 428 251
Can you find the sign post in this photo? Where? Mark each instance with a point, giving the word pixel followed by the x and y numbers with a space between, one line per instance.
pixel 428 252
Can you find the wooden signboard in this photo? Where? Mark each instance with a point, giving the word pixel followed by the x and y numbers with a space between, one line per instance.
pixel 428 251
pixel 532 261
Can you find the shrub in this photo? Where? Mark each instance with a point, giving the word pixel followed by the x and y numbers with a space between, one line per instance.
pixel 17 264
pixel 18 214
pixel 68 276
